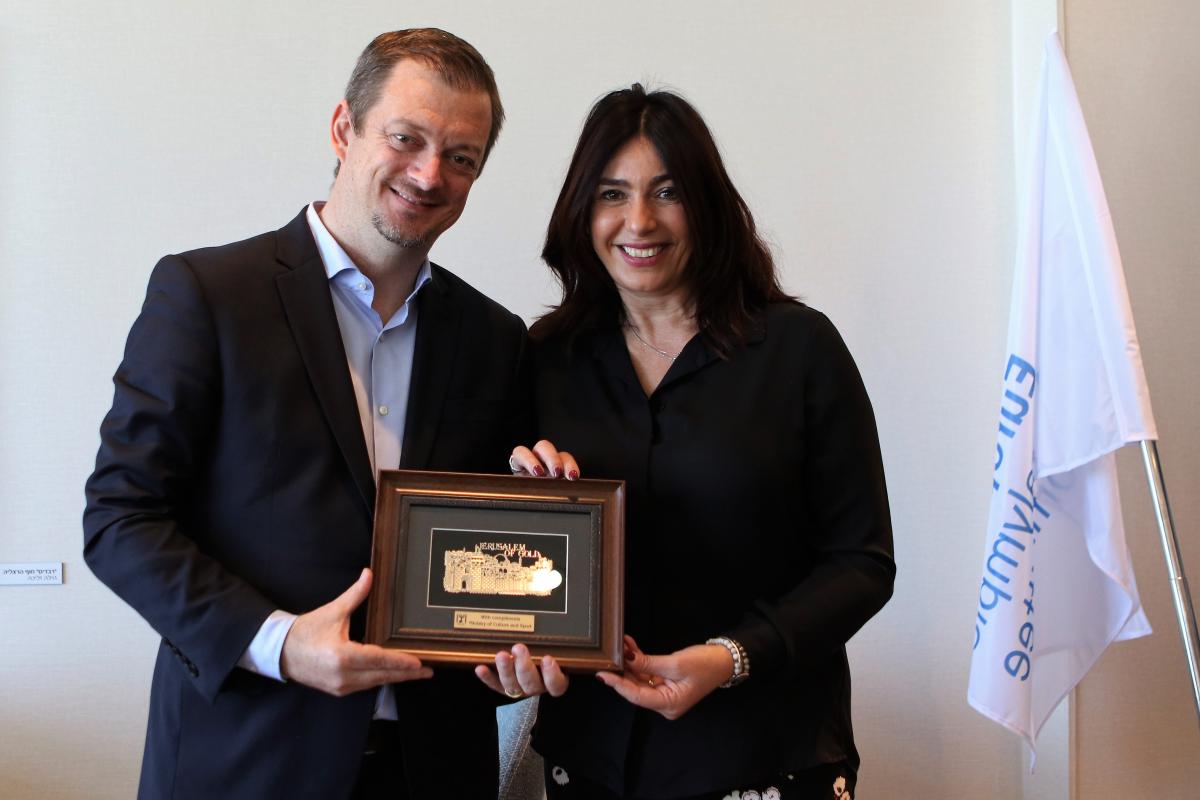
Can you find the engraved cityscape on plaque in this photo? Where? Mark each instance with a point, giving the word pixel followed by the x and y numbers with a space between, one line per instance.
pixel 500 568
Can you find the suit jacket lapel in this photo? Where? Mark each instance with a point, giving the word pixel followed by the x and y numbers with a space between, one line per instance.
pixel 304 291
pixel 433 364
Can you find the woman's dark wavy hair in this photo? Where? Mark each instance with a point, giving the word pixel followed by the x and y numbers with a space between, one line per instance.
pixel 730 275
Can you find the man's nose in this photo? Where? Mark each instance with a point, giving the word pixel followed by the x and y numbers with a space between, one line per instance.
pixel 426 171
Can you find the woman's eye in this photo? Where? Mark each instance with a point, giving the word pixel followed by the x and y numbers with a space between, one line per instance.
pixel 610 195
pixel 668 193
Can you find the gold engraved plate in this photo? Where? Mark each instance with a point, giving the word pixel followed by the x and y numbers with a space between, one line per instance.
pixel 493 621
pixel 500 568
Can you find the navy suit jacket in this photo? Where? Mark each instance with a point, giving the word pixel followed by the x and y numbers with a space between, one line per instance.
pixel 232 479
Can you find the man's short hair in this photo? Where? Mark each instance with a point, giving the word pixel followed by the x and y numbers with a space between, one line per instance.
pixel 455 60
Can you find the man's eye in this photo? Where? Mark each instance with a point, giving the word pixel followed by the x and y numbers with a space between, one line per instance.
pixel 463 161
pixel 401 138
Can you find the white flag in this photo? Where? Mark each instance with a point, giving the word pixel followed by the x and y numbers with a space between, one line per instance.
pixel 1058 583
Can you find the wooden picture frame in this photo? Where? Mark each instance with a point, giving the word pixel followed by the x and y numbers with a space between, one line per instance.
pixel 468 564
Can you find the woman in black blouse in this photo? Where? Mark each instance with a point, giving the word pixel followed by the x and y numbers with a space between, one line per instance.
pixel 758 538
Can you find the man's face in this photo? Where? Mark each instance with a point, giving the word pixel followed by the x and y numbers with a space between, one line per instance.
pixel 408 170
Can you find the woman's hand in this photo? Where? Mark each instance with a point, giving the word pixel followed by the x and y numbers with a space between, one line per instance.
pixel 518 675
pixel 670 684
pixel 544 459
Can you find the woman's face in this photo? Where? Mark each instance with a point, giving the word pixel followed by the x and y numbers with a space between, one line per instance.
pixel 639 228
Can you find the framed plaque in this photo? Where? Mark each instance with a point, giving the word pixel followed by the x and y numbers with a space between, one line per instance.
pixel 466 565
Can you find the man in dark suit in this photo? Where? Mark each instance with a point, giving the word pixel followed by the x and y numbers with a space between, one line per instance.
pixel 262 386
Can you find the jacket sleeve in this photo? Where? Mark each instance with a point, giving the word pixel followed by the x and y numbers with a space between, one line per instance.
pixel 149 466
pixel 521 416
pixel 848 523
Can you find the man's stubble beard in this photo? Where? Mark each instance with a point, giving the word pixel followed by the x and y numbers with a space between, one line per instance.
pixel 396 236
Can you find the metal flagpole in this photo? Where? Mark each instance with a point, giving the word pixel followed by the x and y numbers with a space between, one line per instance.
pixel 1179 584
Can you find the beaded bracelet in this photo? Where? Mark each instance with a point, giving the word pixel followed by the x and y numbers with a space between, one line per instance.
pixel 741 660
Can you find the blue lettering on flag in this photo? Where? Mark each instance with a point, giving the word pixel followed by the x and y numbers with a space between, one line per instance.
pixel 1011 545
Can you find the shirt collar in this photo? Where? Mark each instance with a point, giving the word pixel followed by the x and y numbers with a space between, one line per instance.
pixel 337 260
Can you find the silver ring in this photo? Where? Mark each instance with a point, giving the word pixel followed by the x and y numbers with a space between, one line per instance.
pixel 517 695
pixel 514 466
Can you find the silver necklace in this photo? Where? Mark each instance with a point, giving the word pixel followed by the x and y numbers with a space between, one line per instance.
pixel 633 329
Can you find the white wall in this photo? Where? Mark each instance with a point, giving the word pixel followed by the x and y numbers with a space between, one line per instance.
pixel 873 139
pixel 1137 71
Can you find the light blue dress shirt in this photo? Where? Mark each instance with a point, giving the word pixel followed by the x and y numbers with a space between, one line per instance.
pixel 379 354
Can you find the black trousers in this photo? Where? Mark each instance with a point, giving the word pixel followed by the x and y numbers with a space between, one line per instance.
pixel 381 776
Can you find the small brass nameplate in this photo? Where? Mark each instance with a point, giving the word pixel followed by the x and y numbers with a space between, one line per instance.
pixel 492 621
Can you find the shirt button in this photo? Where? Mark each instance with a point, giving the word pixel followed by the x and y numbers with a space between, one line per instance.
pixel 383 411
pixel 362 287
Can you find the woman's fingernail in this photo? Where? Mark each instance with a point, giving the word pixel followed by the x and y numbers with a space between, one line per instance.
pixel 558 473
pixel 539 471
pixel 573 475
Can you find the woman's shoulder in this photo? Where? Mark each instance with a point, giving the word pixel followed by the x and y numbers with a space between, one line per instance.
pixel 562 348
pixel 559 342
pixel 795 318
pixel 808 339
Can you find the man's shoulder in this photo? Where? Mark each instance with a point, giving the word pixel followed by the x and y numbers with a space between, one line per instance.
pixel 293 242
pixel 255 248
pixel 469 298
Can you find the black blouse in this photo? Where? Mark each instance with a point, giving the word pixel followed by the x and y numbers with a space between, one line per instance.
pixel 756 509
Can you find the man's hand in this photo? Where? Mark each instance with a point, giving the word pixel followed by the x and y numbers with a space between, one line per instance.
pixel 318 652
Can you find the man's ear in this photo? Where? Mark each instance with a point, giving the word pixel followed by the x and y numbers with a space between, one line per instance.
pixel 341 130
